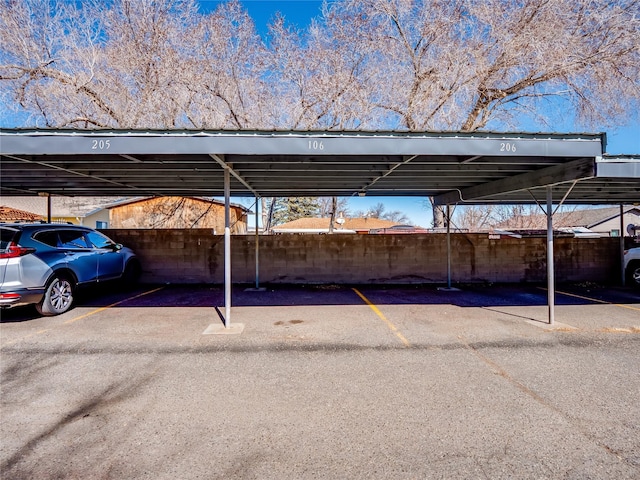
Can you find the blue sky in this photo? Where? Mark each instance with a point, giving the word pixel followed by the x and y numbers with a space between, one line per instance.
pixel 298 12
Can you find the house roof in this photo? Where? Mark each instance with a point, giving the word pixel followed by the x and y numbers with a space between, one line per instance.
pixel 8 214
pixel 129 201
pixel 586 218
pixel 451 167
pixel 322 223
pixel 77 207
pixel 591 218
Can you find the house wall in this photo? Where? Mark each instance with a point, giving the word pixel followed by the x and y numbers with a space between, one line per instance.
pixel 63 219
pixel 195 256
pixel 176 212
pixel 92 220
pixel 88 221
pixel 630 217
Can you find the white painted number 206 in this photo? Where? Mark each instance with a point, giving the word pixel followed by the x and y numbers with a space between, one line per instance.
pixel 507 147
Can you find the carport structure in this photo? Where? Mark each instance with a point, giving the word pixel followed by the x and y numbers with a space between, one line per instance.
pixel 454 168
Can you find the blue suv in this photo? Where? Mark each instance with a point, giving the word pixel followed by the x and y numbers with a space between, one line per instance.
pixel 45 263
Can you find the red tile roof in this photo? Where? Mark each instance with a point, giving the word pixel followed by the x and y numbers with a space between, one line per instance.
pixel 8 214
pixel 314 223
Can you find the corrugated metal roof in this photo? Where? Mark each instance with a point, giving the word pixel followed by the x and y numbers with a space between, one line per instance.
pixel 453 167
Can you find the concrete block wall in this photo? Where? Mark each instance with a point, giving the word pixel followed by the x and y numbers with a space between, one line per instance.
pixel 197 256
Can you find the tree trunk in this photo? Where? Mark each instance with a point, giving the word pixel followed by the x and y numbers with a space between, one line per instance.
pixel 268 221
pixel 334 206
pixel 438 214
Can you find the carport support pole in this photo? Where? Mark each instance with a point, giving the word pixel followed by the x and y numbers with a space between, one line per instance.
pixel 624 277
pixel 551 293
pixel 257 247
pixel 48 195
pixel 227 249
pixel 448 246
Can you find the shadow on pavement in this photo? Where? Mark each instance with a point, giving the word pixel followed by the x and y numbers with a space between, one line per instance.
pixel 472 295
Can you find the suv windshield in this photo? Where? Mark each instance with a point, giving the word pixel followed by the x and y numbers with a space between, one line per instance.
pixel 100 241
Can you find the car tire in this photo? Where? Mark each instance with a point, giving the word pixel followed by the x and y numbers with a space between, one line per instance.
pixel 131 274
pixel 58 297
pixel 633 274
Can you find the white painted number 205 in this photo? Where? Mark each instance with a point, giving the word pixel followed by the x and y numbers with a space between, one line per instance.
pixel 507 147
pixel 100 144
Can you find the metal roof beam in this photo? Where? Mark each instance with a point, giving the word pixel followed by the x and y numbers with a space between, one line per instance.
pixel 317 144
pixel 70 171
pixel 224 165
pixel 618 168
pixel 386 174
pixel 565 172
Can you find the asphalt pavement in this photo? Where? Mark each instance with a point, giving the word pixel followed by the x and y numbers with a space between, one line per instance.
pixel 325 382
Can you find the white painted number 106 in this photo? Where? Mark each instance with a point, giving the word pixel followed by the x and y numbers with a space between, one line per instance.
pixel 316 145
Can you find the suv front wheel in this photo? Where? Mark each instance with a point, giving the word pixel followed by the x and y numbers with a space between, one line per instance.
pixel 131 274
pixel 58 297
pixel 633 274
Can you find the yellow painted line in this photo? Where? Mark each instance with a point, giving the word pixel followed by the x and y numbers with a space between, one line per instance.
pixel 98 310
pixel 594 300
pixel 377 311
